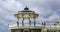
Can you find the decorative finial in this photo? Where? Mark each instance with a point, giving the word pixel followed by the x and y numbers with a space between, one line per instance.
pixel 26 8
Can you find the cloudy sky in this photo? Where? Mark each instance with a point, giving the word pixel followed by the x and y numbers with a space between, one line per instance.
pixel 48 10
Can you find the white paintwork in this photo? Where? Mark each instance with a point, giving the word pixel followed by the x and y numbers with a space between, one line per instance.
pixel 14 26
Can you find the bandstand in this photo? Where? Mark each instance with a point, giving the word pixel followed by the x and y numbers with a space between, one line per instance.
pixel 21 27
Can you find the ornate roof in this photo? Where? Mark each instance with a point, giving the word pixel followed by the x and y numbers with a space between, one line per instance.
pixel 26 9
